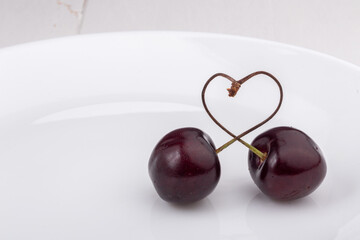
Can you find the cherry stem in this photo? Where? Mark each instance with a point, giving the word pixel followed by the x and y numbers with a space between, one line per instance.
pixel 235 86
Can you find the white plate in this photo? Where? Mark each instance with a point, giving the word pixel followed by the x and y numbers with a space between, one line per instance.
pixel 80 115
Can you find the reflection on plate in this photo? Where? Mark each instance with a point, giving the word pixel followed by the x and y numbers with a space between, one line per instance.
pixel 80 116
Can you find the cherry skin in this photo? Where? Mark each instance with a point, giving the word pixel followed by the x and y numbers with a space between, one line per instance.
pixel 184 166
pixel 294 166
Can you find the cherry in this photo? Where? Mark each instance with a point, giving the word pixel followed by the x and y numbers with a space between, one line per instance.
pixel 184 166
pixel 284 162
pixel 294 165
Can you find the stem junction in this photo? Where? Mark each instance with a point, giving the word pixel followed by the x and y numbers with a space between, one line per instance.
pixel 235 86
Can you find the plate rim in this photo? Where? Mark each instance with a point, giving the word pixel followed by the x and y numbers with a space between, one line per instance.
pixel 190 34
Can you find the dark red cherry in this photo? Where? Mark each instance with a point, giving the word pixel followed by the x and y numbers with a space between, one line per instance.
pixel 294 166
pixel 184 166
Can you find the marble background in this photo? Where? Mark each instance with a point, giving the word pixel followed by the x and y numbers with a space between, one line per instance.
pixel 327 26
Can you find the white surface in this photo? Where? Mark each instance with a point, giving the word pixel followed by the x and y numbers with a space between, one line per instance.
pixel 25 21
pixel 329 26
pixel 81 115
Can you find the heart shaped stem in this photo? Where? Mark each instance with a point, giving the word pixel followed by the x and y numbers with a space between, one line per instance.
pixel 235 86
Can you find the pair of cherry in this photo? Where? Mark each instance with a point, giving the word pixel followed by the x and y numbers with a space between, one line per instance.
pixel 284 162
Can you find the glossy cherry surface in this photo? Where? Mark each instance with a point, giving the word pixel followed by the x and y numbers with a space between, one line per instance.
pixel 184 166
pixel 294 166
